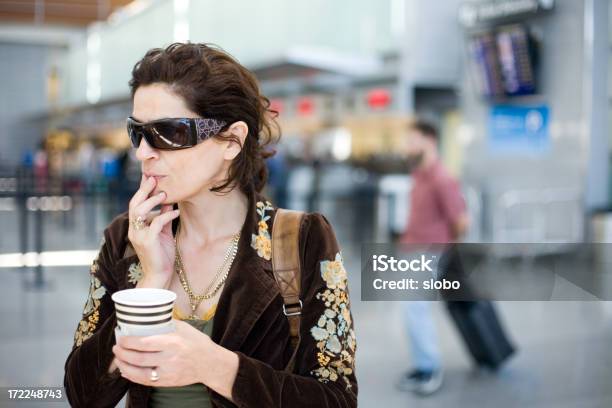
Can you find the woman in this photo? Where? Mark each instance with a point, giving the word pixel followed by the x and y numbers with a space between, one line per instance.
pixel 210 244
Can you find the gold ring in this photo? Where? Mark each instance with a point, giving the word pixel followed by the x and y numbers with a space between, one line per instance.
pixel 138 223
pixel 154 376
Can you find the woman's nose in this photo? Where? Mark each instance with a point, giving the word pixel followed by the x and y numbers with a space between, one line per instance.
pixel 145 151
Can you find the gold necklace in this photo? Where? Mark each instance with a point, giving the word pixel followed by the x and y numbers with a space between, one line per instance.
pixel 223 271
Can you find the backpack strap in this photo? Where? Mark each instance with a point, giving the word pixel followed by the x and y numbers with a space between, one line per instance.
pixel 286 268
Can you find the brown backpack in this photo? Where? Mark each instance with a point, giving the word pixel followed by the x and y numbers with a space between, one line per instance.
pixel 287 272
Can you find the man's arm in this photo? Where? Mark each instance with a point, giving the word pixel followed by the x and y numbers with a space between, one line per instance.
pixel 454 207
pixel 460 226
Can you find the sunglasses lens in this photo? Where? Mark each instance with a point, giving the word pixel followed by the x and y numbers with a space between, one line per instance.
pixel 171 134
pixel 135 134
pixel 168 134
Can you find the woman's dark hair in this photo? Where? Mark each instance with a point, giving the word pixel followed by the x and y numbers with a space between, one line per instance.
pixel 215 85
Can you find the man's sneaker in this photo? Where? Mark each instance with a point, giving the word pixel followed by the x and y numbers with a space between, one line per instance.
pixel 421 382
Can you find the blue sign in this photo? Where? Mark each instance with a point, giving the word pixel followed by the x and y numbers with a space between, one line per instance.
pixel 519 129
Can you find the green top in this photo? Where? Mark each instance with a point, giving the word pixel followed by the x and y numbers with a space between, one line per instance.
pixel 193 395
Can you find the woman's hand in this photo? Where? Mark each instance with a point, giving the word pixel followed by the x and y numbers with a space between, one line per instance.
pixel 154 243
pixel 184 357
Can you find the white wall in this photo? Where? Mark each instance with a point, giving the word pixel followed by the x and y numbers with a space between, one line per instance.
pixel 254 32
pixel 23 69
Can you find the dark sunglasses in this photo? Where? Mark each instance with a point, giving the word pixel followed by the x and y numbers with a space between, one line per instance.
pixel 173 133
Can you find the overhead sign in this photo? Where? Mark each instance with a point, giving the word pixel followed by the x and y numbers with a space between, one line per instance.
pixel 471 13
pixel 518 129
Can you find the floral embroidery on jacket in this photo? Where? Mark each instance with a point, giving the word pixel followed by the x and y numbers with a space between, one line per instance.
pixel 262 241
pixel 91 313
pixel 334 330
pixel 135 273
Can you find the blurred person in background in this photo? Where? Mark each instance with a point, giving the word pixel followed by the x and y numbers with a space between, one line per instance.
pixel 437 215
pixel 200 127
pixel 124 185
pixel 41 168
pixel 86 157
pixel 278 176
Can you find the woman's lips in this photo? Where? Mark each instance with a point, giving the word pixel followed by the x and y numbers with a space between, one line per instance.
pixel 157 177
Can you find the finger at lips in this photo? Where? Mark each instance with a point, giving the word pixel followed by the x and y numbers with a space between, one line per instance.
pixel 143 192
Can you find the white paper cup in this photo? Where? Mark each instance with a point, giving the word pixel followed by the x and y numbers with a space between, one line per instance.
pixel 144 311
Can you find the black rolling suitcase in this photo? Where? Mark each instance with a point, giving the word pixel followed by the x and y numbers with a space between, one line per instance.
pixel 481 331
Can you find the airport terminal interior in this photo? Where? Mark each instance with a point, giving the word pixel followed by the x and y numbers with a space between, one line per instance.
pixel 518 91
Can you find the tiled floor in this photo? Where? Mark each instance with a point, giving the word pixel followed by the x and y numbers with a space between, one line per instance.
pixel 564 358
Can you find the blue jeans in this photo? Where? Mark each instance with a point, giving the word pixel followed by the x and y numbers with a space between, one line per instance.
pixel 423 336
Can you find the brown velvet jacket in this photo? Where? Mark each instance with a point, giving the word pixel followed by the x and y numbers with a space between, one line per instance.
pixel 249 320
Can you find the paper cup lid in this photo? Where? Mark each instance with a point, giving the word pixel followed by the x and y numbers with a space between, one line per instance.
pixel 144 297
